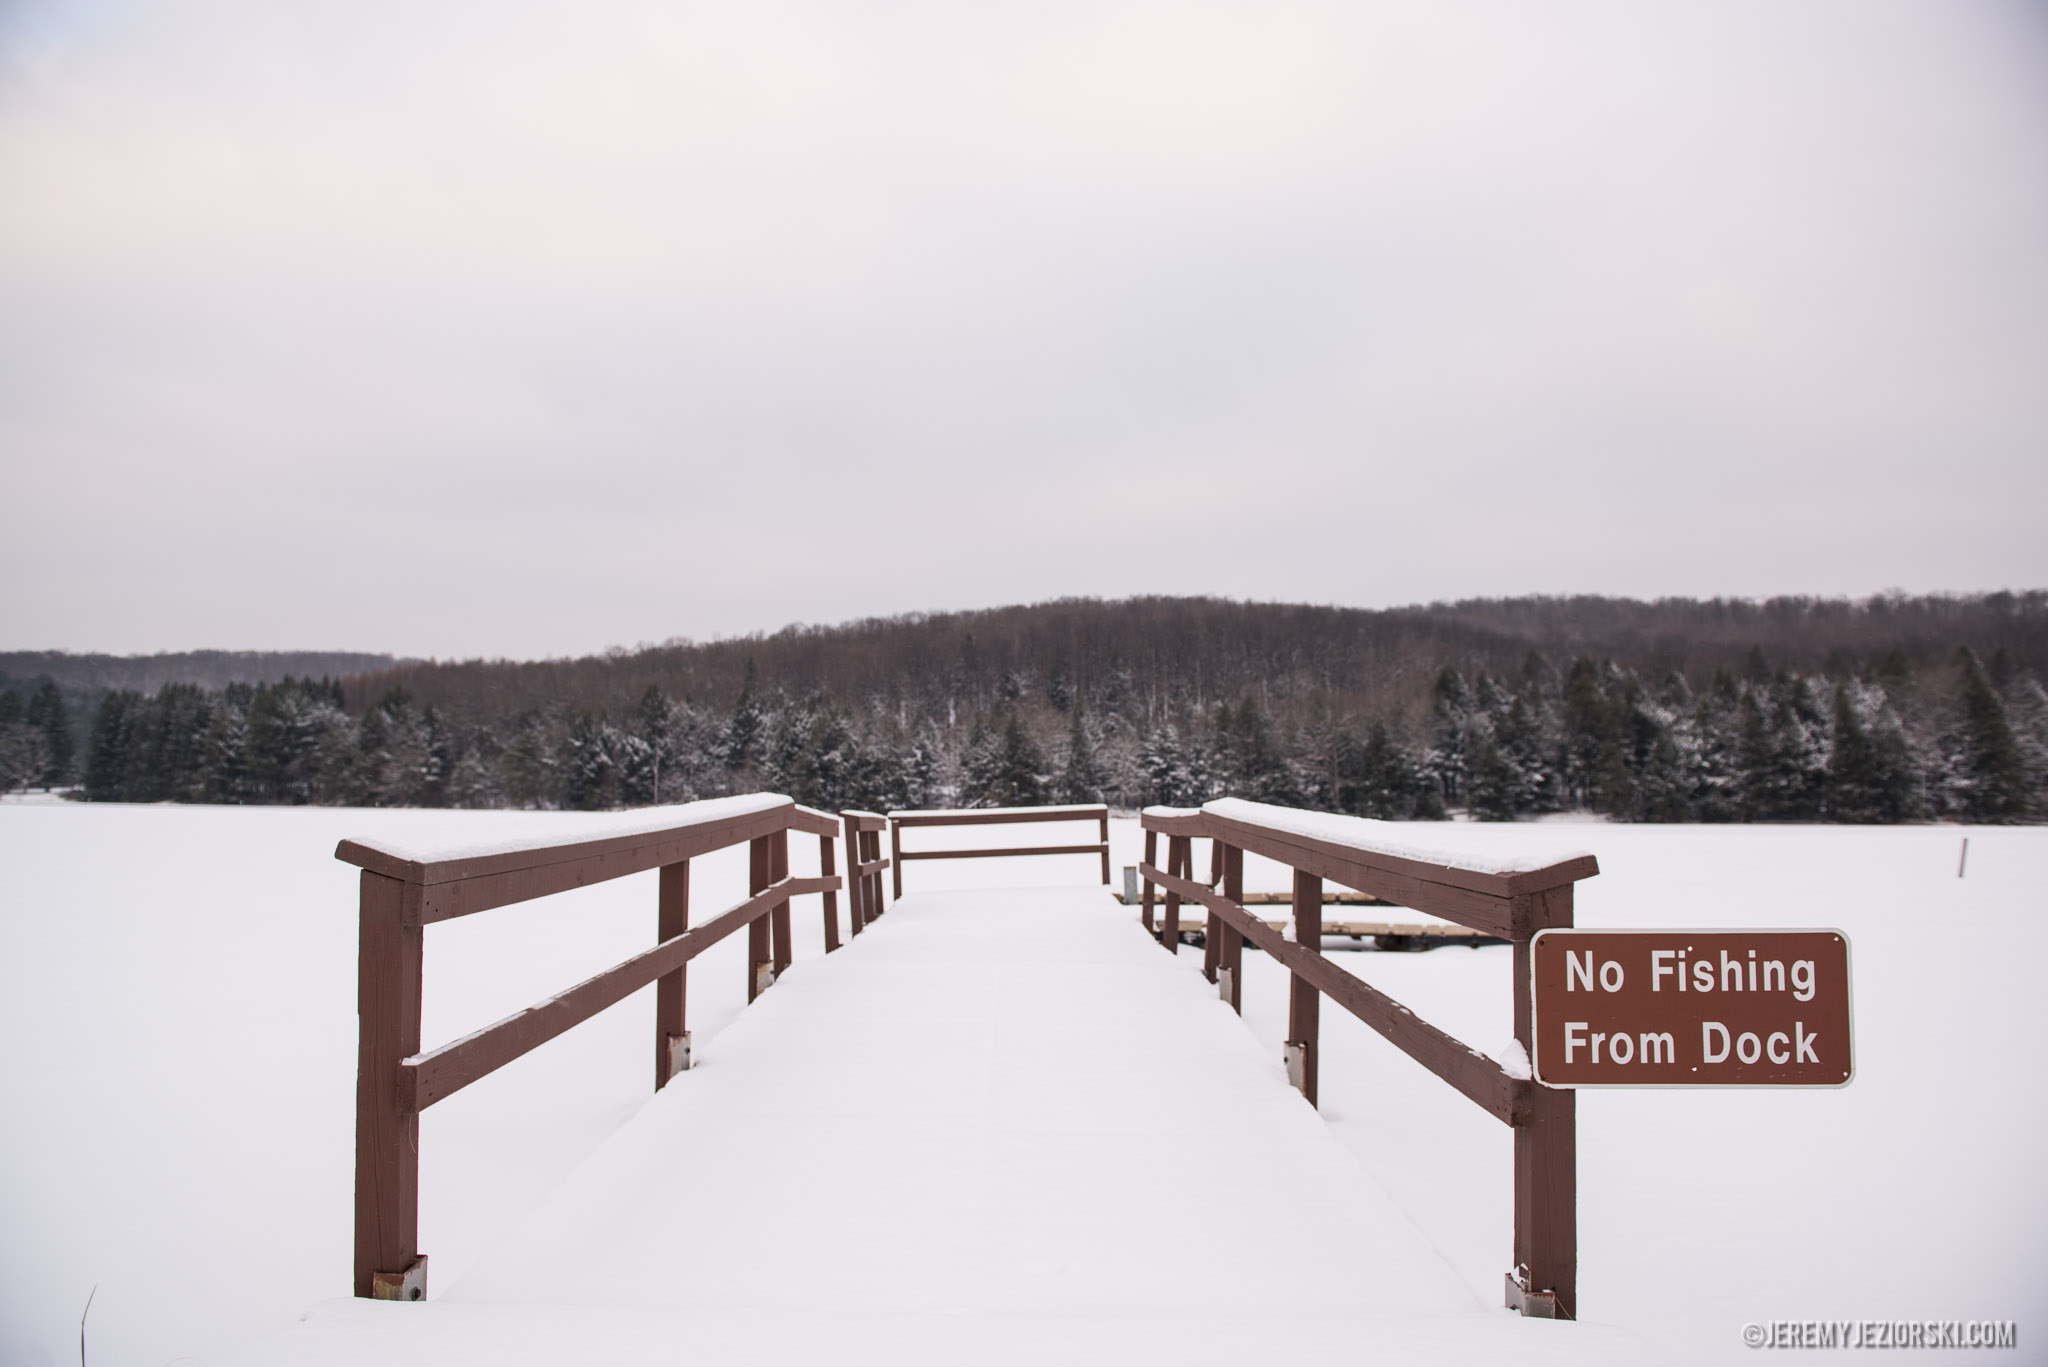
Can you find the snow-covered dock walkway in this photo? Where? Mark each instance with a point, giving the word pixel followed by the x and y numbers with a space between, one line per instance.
pixel 1001 1126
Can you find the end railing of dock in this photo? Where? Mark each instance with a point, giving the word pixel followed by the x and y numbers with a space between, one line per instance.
pixel 1096 812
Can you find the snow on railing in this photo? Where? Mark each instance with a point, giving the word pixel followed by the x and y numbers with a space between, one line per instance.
pixel 1510 896
pixel 404 889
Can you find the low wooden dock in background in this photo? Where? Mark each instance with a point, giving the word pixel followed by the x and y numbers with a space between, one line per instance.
pixel 1395 935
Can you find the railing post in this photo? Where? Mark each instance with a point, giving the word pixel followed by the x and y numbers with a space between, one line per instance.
pixel 1232 953
pixel 1180 861
pixel 1546 1155
pixel 878 903
pixel 778 915
pixel 856 884
pixel 1152 858
pixel 1303 1001
pixel 895 857
pixel 760 959
pixel 1105 847
pixel 1212 946
pixel 831 898
pixel 671 990
pixel 388 1265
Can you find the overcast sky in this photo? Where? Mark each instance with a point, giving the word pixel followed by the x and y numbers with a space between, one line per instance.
pixel 520 330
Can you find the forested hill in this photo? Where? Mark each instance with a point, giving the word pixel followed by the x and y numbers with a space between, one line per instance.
pixel 1893 708
pixel 204 668
pixel 1154 653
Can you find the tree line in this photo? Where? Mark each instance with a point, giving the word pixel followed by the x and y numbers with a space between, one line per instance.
pixel 1885 725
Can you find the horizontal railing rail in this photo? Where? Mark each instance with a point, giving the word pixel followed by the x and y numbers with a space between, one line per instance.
pixel 998 816
pixel 1510 903
pixel 404 892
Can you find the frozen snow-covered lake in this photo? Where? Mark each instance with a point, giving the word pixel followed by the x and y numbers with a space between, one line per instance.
pixel 177 1056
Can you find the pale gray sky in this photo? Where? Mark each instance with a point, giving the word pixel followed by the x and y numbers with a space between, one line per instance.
pixel 513 329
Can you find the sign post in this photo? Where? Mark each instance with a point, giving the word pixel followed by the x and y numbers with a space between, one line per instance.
pixel 1686 1008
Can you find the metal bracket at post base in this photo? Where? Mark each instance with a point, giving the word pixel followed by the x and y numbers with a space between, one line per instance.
pixel 1535 1305
pixel 1223 983
pixel 409 1285
pixel 1295 1057
pixel 764 977
pixel 678 1053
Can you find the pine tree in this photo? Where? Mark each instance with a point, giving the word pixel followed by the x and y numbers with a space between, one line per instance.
pixel 1493 787
pixel 106 749
pixel 1450 714
pixel 45 712
pixel 1164 762
pixel 587 765
pixel 743 731
pixel 1853 791
pixel 1715 767
pixel 919 781
pixel 1994 771
pixel 1020 777
pixel 1755 760
pixel 649 751
pixel 980 764
pixel 1596 754
pixel 1520 736
pixel 1081 778
pixel 1254 763
pixel 1658 786
pixel 1800 749
pixel 24 748
pixel 222 776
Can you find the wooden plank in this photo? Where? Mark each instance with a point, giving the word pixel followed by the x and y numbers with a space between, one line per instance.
pixel 998 853
pixel 1105 847
pixel 1331 898
pixel 1212 938
pixel 1491 885
pixel 873 847
pixel 1546 1153
pixel 811 821
pixel 998 816
pixel 778 915
pixel 896 854
pixel 1151 857
pixel 1472 1073
pixel 1358 930
pixel 440 1073
pixel 856 878
pixel 759 953
pixel 865 821
pixel 1178 857
pixel 831 899
pixel 1304 1016
pixel 388 981
pixel 447 900
pixel 1231 953
pixel 671 989
pixel 682 841
pixel 1493 915
pixel 1153 820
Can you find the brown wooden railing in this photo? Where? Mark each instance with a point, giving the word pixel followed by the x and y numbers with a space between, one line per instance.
pixel 864 865
pixel 402 893
pixel 997 816
pixel 1513 905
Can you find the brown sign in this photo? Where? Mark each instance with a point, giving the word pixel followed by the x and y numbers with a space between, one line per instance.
pixel 1686 1008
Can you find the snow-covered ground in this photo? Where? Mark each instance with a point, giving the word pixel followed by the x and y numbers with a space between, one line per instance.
pixel 177 1056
